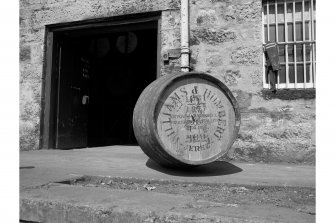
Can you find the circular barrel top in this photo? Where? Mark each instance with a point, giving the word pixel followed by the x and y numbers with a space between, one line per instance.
pixel 196 118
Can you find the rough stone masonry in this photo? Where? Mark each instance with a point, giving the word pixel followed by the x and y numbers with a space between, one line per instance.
pixel 225 41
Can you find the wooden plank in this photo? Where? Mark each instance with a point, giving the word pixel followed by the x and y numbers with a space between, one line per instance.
pixel 286 46
pixel 134 19
pixel 294 48
pixel 58 96
pixel 46 113
pixel 265 85
pixel 276 21
pixel 159 47
pixel 313 45
pixel 303 38
pixel 267 22
pixel 268 29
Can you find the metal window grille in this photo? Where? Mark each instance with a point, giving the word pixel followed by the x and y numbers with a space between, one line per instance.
pixel 291 24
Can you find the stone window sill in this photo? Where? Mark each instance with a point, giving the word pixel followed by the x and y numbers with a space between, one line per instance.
pixel 289 94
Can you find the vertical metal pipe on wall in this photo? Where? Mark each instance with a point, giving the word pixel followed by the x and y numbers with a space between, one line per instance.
pixel 184 33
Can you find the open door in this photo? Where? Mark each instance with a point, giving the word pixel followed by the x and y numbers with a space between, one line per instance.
pixel 98 73
pixel 73 95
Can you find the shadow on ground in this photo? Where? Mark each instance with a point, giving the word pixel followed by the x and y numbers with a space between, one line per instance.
pixel 218 168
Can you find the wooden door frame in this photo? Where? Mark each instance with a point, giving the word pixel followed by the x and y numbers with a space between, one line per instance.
pixel 48 99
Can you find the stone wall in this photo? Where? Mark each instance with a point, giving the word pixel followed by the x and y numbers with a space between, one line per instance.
pixel 225 41
pixel 36 14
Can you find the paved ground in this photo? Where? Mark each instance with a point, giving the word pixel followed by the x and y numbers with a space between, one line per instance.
pixel 262 192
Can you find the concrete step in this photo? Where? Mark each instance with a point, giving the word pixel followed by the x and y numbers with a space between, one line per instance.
pixel 67 203
pixel 42 199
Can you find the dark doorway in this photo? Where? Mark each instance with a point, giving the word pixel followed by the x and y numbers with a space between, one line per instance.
pixel 99 75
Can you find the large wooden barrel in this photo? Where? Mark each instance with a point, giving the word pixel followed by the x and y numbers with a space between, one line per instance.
pixel 186 119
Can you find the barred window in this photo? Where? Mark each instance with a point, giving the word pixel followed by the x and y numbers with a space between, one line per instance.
pixel 291 24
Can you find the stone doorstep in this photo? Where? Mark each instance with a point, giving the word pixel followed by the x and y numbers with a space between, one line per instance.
pixel 59 203
pixel 45 211
pixel 65 203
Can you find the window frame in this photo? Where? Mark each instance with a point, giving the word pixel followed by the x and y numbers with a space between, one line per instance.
pixel 311 41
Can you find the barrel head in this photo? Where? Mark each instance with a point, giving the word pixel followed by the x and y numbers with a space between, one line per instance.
pixel 196 119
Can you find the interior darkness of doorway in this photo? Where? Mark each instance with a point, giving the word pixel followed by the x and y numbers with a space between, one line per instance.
pixel 115 79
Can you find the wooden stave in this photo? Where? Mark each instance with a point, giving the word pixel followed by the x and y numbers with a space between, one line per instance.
pixel 154 147
pixel 145 133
